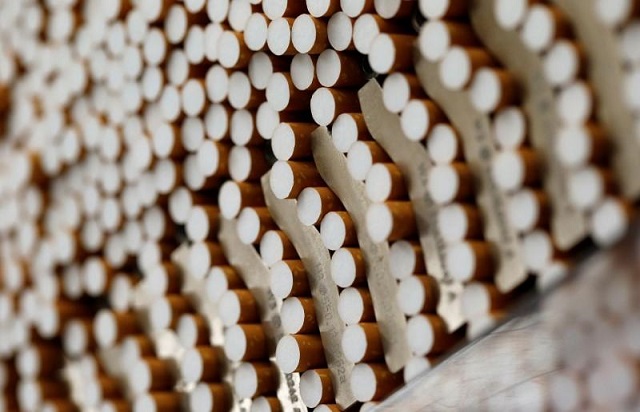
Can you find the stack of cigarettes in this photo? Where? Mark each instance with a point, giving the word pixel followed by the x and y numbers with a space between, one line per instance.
pixel 176 235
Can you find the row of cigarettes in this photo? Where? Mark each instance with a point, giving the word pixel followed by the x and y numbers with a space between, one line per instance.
pixel 139 126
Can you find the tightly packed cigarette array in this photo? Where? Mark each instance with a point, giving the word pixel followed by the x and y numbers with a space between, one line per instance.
pixel 275 205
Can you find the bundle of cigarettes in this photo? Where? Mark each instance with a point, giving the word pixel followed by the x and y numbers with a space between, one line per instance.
pixel 267 205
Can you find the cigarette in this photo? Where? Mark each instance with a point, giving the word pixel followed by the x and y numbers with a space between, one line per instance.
pixel 164 401
pixel 373 381
pixel 355 306
pixel 254 379
pixel 167 176
pixel 510 15
pixel 55 316
pixel 39 361
pixel 528 210
pixel 347 129
pixel 610 220
pixel 157 224
pixel 539 250
pixel 443 10
pixel 58 405
pixel 165 311
pixel 219 280
pixel 247 163
pixel 316 387
pixel 238 306
pixel 469 260
pixel 152 82
pixel 327 104
pixel 213 159
pixel 110 327
pixel 314 203
pixel 279 36
pixel 192 130
pixel 292 141
pixel 262 66
pixel 200 363
pixel 481 299
pixel 582 145
pixel 288 179
pixel 233 53
pixel 267 404
pixel 151 374
pixel 275 9
pixel 215 397
pixel 193 330
pixel 459 221
pixel 391 52
pixel 202 256
pixel 96 275
pixel 405 259
pixel 31 393
pixel 419 117
pixel 337 230
pixel 398 88
pixel 256 31
pixel 203 223
pixel 245 343
pixel 616 15
pixel 77 338
pixel 355 8
pixel 253 223
pixel 511 170
pixel 587 186
pixel 234 196
pixel 283 95
pixel 323 8
pixel 243 130
pixel 564 62
pixel 134 347
pixel 298 315
pixel 267 119
pixel 543 24
pixel 242 95
pixel 309 34
pixel 154 49
pixel 289 278
pixel 390 221
pixel 362 343
pixel 452 182
pixel 427 335
pixel 339 69
pixel 384 182
pixel 299 353
pixel 576 103
pixel 193 97
pixel 275 246
pixel 437 37
pixel 362 155
pixel 340 31
pixel 418 294
pixel 303 72
pixel 509 127
pixel 492 89
pixel 460 65
pixel 393 9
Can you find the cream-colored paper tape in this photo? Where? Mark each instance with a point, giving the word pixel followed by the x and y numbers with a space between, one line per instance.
pixel 246 261
pixel 479 150
pixel 605 70
pixel 332 166
pixel 568 225
pixel 316 261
